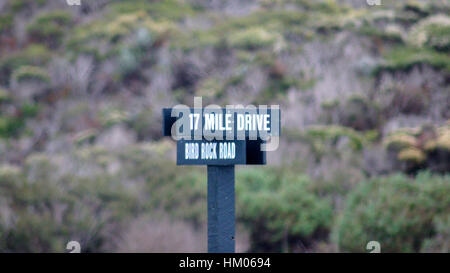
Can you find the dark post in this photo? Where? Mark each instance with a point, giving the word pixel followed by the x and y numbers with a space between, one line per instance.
pixel 221 209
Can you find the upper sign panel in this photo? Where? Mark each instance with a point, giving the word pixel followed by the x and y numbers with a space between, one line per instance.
pixel 219 123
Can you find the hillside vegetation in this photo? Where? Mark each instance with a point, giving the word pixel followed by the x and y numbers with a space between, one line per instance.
pixel 364 95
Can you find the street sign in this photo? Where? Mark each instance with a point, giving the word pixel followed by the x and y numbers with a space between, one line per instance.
pixel 231 124
pixel 203 152
pixel 221 138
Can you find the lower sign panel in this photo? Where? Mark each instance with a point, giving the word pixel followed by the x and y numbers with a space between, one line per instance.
pixel 216 152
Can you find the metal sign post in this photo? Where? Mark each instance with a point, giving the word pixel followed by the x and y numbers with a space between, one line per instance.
pixel 221 209
pixel 220 156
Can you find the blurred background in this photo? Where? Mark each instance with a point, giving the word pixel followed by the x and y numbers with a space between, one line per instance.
pixel 365 100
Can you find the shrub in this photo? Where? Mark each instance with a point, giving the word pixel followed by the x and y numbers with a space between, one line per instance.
pixel 399 141
pixel 404 58
pixel 187 196
pixel 17 5
pixel 408 101
pixel 183 196
pixel 49 28
pixel 267 28
pixel 438 150
pixel 426 147
pixel 6 22
pixel 397 211
pixel 49 208
pixel 111 116
pixel 211 87
pixel 13 125
pixel 34 55
pixel 252 38
pixel 280 211
pixel 360 114
pixel 441 241
pixel 4 95
pixel 334 133
pixel 86 136
pixel 31 73
pixel 57 16
pixel 127 36
pixel 277 89
pixel 416 7
pixel 20 5
pixel 146 124
pixel 433 32
pixel 168 9
pixel 412 154
pixel 442 140
pixel 391 33
pixel 129 62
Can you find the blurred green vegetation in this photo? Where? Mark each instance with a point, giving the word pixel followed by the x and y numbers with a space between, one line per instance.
pixel 404 58
pixel 399 211
pixel 31 73
pixel 32 55
pixel 6 22
pixel 280 210
pixel 50 28
pixel 45 204
pixel 426 147
pixel 12 125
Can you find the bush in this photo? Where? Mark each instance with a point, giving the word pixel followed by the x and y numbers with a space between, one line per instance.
pixel 397 211
pixel 49 28
pixel 441 241
pixel 109 117
pixel 391 33
pixel 20 5
pixel 438 150
pixel 408 101
pixel 360 114
pixel 42 208
pixel 146 124
pixel 182 196
pixel 17 5
pixel 411 154
pixel 252 38
pixel 280 210
pixel 404 58
pixel 115 32
pixel 6 22
pixel 4 95
pixel 13 125
pixel 426 147
pixel 86 136
pixel 210 87
pixel 260 29
pixel 31 73
pixel 160 10
pixel 433 32
pixel 50 201
pixel 333 134
pixel 35 55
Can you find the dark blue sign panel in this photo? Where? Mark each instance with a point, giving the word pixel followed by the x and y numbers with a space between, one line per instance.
pixel 230 124
pixel 202 152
